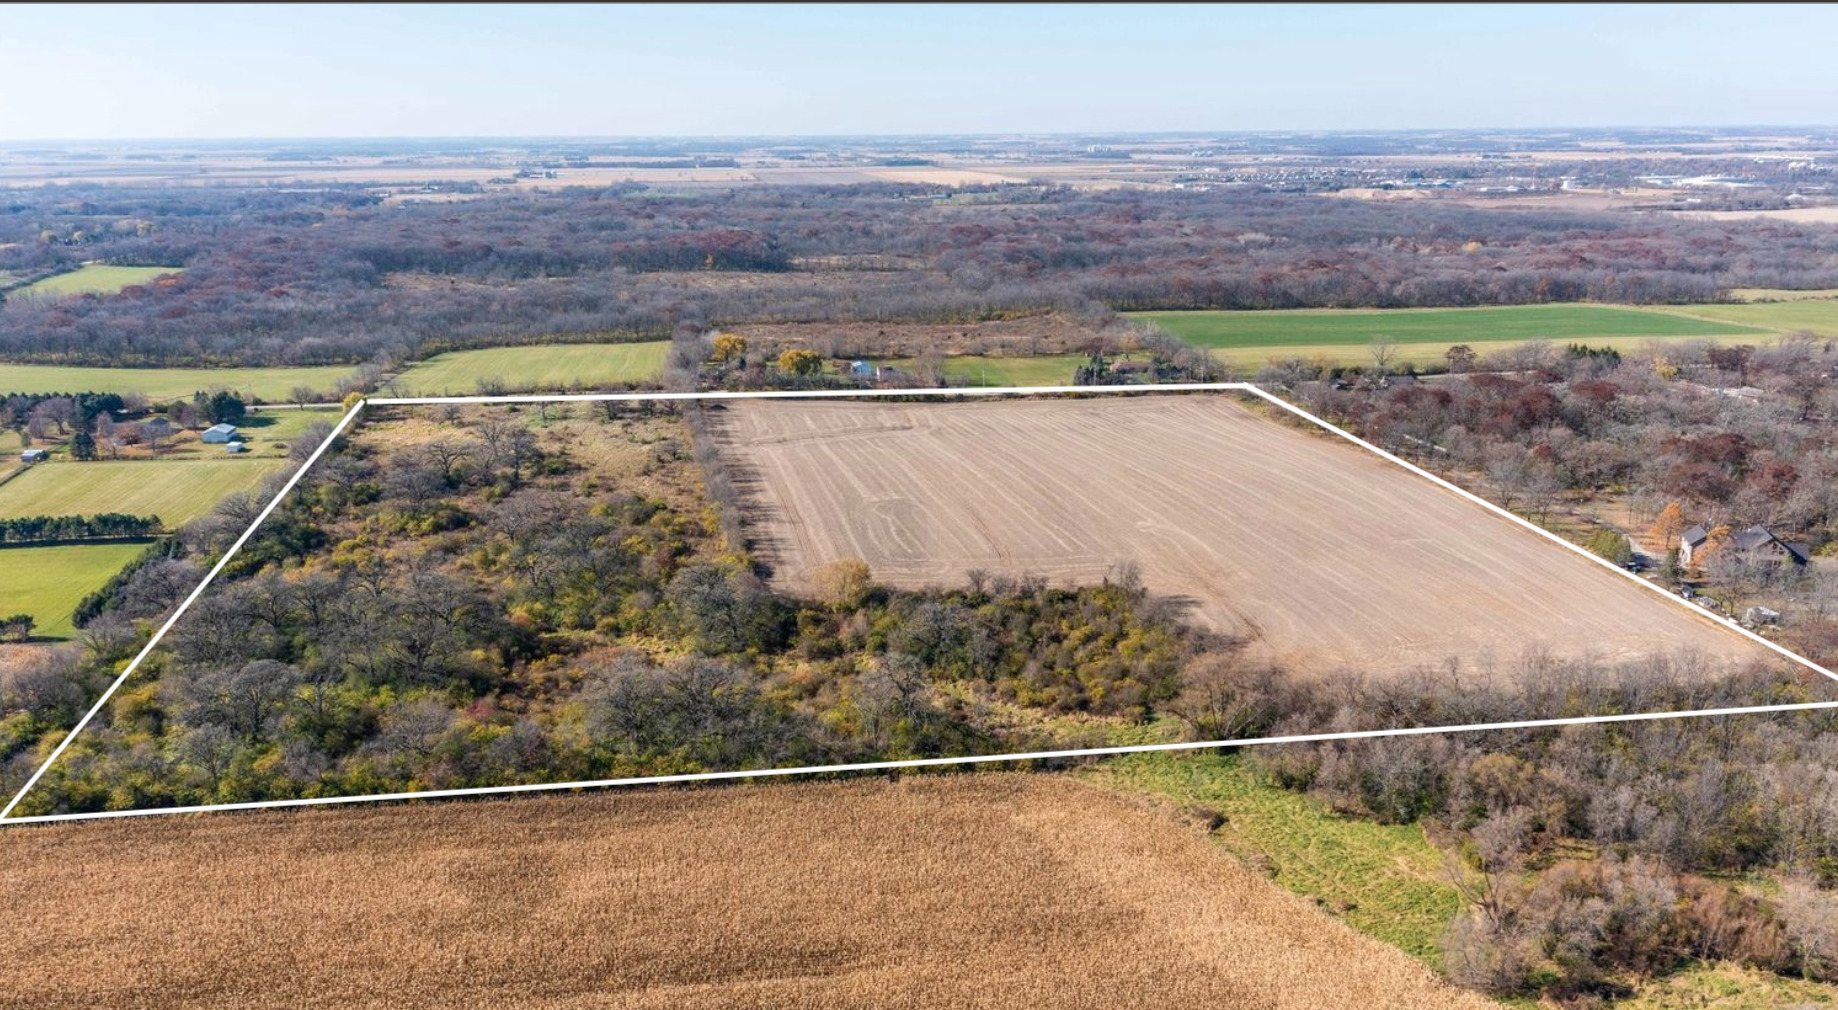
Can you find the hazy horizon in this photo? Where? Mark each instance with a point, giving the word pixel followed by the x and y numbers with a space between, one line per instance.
pixel 568 72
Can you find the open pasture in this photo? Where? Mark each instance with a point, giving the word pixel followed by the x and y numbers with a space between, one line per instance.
pixel 1252 338
pixel 541 366
pixel 1818 316
pixel 948 892
pixel 49 582
pixel 93 279
pixel 177 491
pixel 1320 555
pixel 272 385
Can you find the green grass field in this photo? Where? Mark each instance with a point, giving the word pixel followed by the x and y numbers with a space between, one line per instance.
pixel 1389 879
pixel 985 370
pixel 544 366
pixel 49 582
pixel 175 490
pixel 1250 339
pixel 269 432
pixel 1389 882
pixel 1817 315
pixel 93 278
pixel 274 385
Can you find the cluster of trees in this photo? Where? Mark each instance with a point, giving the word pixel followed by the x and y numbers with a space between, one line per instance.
pixel 104 526
pixel 1590 854
pixel 473 606
pixel 1725 437
pixel 45 416
pixel 333 275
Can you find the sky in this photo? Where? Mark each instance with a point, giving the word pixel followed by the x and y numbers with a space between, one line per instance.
pixel 97 72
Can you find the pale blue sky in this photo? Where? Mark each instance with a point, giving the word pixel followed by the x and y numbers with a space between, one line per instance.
pixel 137 72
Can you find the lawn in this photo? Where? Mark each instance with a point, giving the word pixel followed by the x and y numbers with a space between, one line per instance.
pixel 93 278
pixel 175 490
pixel 274 385
pixel 269 433
pixel 49 582
pixel 544 366
pixel 1387 881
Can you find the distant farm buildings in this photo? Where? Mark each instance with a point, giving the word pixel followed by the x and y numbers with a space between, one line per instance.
pixel 219 434
pixel 235 447
pixel 33 456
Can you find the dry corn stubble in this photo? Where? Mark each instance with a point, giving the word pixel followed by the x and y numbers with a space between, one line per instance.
pixel 992 890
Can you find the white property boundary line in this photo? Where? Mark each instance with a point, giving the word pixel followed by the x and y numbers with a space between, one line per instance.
pixel 1242 387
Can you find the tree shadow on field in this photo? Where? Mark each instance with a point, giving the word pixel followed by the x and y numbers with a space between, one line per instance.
pixel 739 489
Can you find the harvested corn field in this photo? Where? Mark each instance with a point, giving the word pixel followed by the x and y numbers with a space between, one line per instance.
pixel 984 891
pixel 1318 554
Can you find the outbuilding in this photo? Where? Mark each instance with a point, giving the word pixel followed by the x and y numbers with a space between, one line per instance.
pixel 33 456
pixel 218 434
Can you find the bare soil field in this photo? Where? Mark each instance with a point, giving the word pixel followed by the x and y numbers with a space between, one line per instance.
pixel 1319 554
pixel 986 891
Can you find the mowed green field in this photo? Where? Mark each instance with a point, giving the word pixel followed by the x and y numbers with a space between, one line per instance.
pixel 93 278
pixel 1250 339
pixel 49 582
pixel 274 385
pixel 544 366
pixel 1815 315
pixel 175 490
pixel 1389 876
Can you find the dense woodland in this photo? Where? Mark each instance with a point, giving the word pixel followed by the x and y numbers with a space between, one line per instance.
pixel 337 276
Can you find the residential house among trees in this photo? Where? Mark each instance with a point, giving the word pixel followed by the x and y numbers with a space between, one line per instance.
pixel 1694 542
pixel 1758 540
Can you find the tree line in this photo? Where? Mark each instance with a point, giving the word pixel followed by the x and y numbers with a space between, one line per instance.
pixel 103 526
pixel 276 276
